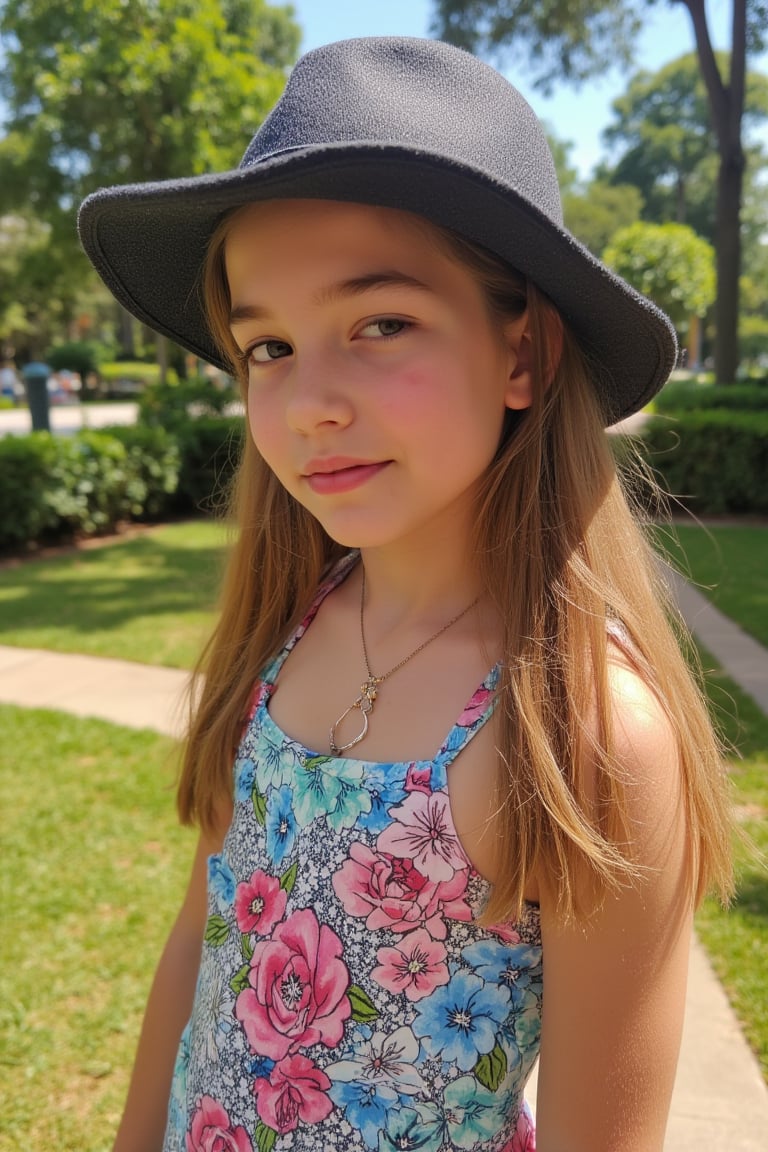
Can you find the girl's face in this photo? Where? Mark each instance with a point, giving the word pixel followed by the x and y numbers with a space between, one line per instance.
pixel 377 379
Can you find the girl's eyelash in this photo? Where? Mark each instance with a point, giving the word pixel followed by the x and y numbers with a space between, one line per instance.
pixel 402 325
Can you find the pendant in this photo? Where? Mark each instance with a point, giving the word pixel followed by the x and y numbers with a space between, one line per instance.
pixel 364 704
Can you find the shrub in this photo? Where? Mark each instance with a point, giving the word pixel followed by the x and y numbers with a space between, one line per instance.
pixel 210 449
pixel 154 460
pixel 25 464
pixel 171 404
pixel 685 395
pixel 81 356
pixel 715 461
pixel 135 371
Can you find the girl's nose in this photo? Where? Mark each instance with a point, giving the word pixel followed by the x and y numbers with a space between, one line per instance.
pixel 318 396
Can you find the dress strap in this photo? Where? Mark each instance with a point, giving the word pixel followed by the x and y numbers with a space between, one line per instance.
pixel 477 712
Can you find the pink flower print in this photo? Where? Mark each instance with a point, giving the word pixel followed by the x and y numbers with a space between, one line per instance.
pixel 506 933
pixel 416 965
pixel 296 1090
pixel 423 832
pixel 259 904
pixel 418 779
pixel 211 1130
pixel 298 984
pixel 476 708
pixel 392 893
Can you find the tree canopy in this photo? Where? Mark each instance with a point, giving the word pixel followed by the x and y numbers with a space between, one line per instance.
pixel 572 40
pixel 668 263
pixel 100 92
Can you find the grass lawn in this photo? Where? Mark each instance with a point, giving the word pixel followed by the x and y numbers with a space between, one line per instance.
pixel 729 565
pixel 92 868
pixel 147 598
pixel 737 939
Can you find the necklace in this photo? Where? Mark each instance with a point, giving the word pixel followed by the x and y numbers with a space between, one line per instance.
pixel 369 689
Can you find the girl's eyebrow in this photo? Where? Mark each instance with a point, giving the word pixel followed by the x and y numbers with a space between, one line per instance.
pixel 354 286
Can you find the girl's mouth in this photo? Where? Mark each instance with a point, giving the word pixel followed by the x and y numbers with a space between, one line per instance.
pixel 329 476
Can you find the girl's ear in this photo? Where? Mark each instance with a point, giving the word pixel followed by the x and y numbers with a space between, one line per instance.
pixel 519 394
pixel 519 391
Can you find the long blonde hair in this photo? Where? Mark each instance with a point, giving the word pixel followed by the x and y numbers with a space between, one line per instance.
pixel 564 560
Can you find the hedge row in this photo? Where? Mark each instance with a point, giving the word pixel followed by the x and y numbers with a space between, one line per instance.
pixel 715 461
pixel 685 395
pixel 55 487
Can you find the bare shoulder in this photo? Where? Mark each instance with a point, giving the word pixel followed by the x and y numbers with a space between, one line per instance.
pixel 614 984
pixel 646 755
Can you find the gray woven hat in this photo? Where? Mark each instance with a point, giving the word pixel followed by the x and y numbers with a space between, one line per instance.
pixel 404 123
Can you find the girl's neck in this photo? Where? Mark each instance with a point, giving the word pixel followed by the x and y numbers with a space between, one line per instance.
pixel 418 582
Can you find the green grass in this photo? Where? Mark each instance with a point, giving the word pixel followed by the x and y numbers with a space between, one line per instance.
pixel 729 564
pixel 737 939
pixel 148 598
pixel 92 868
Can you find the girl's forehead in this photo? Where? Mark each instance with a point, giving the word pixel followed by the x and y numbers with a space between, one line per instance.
pixel 363 219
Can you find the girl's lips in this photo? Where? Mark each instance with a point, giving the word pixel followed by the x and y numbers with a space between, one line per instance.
pixel 343 479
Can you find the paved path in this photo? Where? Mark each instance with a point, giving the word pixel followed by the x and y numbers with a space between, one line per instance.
pixel 68 418
pixel 720 1100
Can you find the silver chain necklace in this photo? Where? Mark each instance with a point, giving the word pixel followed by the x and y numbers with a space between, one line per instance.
pixel 369 689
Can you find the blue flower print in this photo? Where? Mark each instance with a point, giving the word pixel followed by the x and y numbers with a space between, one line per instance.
pixel 367 1106
pixel 416 1129
pixel 177 1112
pixel 260 1066
pixel 221 881
pixel 472 1113
pixel 323 786
pixel 276 762
pixel 461 1019
pixel 245 774
pixel 281 825
pixel 385 783
pixel 516 966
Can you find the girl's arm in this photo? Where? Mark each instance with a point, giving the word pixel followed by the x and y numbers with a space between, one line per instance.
pixel 614 989
pixel 170 1002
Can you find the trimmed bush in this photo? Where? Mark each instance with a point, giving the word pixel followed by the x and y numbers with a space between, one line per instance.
pixel 25 467
pixel 154 462
pixel 173 404
pixel 685 395
pixel 715 461
pixel 210 450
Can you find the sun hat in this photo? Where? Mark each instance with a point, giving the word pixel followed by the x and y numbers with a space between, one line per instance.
pixel 404 123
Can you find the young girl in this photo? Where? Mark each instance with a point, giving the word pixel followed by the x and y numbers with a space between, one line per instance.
pixel 456 791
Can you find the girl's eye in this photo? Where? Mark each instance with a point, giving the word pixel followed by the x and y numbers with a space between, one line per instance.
pixel 386 326
pixel 269 350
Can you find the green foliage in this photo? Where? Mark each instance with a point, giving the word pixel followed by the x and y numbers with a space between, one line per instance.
pixel 662 127
pixel 175 402
pixel 669 263
pixel 714 461
pixel 76 356
pixel 685 395
pixel 597 214
pixel 210 450
pixel 87 484
pixel 154 461
pixel 558 39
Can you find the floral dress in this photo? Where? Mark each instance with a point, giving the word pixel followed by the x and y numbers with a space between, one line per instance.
pixel 347 999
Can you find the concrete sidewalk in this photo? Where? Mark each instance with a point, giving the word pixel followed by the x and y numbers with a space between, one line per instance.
pixel 720 1099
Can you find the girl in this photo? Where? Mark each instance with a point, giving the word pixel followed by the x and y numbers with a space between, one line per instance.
pixel 457 794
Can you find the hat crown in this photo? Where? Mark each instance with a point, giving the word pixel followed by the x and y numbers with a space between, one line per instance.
pixel 420 94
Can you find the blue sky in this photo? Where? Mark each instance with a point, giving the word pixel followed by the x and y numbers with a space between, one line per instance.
pixel 575 114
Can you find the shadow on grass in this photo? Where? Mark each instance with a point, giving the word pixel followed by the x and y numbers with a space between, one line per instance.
pixel 93 591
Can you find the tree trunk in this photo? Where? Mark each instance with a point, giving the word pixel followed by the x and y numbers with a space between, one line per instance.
pixel 125 332
pixel 726 102
pixel 161 348
pixel 729 185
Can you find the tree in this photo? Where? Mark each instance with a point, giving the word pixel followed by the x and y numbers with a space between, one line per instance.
pixel 572 39
pixel 597 213
pixel 668 150
pixel 671 265
pixel 115 91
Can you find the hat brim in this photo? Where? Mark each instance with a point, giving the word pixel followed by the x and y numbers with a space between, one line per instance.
pixel 148 243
